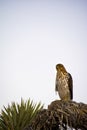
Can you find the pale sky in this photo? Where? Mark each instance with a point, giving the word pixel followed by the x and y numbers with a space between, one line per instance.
pixel 35 35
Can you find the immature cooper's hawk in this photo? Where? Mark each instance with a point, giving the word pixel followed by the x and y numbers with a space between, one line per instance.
pixel 64 83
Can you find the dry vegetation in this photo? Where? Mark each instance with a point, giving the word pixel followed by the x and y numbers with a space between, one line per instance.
pixel 60 115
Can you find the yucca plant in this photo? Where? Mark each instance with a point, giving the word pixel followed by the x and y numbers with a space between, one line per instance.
pixel 17 116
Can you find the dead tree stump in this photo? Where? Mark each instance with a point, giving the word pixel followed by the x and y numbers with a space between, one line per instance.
pixel 61 115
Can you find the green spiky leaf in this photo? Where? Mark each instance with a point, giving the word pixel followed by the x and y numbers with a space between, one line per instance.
pixel 17 116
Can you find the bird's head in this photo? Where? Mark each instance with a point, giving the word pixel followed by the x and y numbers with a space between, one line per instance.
pixel 60 67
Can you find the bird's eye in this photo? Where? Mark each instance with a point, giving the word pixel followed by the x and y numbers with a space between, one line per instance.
pixel 61 68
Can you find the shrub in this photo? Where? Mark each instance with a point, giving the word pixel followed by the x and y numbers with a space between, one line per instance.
pixel 17 116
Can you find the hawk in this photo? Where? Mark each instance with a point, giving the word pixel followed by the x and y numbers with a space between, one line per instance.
pixel 64 83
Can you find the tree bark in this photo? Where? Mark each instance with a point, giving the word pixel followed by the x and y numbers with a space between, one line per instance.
pixel 61 115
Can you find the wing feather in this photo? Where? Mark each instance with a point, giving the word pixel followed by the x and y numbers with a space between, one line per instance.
pixel 70 82
pixel 56 86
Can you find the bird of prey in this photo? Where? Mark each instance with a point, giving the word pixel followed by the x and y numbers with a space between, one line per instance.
pixel 64 83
